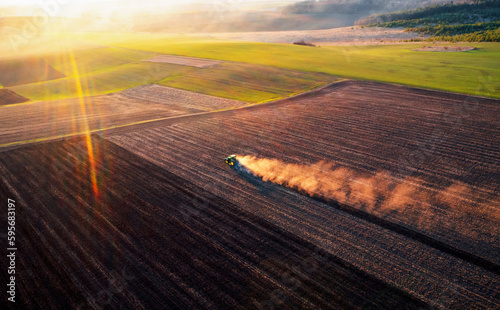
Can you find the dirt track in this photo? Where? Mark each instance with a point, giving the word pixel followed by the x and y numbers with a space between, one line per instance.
pixel 169 208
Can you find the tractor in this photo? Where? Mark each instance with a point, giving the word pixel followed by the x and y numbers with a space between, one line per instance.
pixel 231 160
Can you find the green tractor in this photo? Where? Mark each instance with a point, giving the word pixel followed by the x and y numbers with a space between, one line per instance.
pixel 231 160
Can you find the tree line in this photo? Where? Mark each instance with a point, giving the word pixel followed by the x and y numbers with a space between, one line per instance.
pixel 476 21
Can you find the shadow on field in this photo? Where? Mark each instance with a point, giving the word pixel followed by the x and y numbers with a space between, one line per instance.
pixel 264 188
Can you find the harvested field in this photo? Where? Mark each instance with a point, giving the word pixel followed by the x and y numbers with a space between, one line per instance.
pixel 9 97
pixel 28 70
pixel 151 239
pixel 179 99
pixel 184 61
pixel 41 120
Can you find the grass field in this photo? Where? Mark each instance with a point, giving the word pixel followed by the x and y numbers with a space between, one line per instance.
pixel 244 82
pixel 27 70
pixel 474 72
pixel 101 70
pixel 105 70
pixel 259 72
pixel 247 82
pixel 100 82
pixel 91 60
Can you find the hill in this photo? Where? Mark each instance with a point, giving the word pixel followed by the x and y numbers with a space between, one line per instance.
pixel 465 22
pixel 305 15
pixel 355 6
pixel 239 21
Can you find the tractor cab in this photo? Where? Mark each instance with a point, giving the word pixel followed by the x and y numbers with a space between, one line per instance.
pixel 231 160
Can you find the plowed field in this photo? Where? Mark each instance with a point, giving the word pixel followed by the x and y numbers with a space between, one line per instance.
pixel 368 127
pixel 49 119
pixel 154 240
pixel 9 97
pixel 168 225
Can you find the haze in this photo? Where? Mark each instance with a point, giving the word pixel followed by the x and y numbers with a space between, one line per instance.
pixel 72 8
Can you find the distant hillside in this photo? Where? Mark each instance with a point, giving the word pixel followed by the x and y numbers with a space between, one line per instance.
pixel 240 21
pixel 305 15
pixel 355 6
pixel 475 21
pixel 444 14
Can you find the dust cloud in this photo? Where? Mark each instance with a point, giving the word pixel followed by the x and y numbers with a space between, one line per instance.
pixel 380 193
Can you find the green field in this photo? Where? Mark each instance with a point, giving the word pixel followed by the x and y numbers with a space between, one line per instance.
pixel 105 70
pixel 259 72
pixel 100 82
pixel 91 60
pixel 474 72
pixel 247 82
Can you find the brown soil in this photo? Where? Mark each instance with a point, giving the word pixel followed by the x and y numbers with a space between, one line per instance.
pixel 9 97
pixel 62 117
pixel 152 239
pixel 181 227
pixel 367 127
pixel 178 99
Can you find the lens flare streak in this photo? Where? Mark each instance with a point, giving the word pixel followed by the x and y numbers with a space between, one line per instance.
pixel 86 130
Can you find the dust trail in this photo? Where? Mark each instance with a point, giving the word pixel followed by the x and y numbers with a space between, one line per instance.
pixel 408 199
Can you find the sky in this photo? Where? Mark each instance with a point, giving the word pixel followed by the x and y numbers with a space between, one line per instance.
pixel 173 2
pixel 75 8
pixel 103 8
